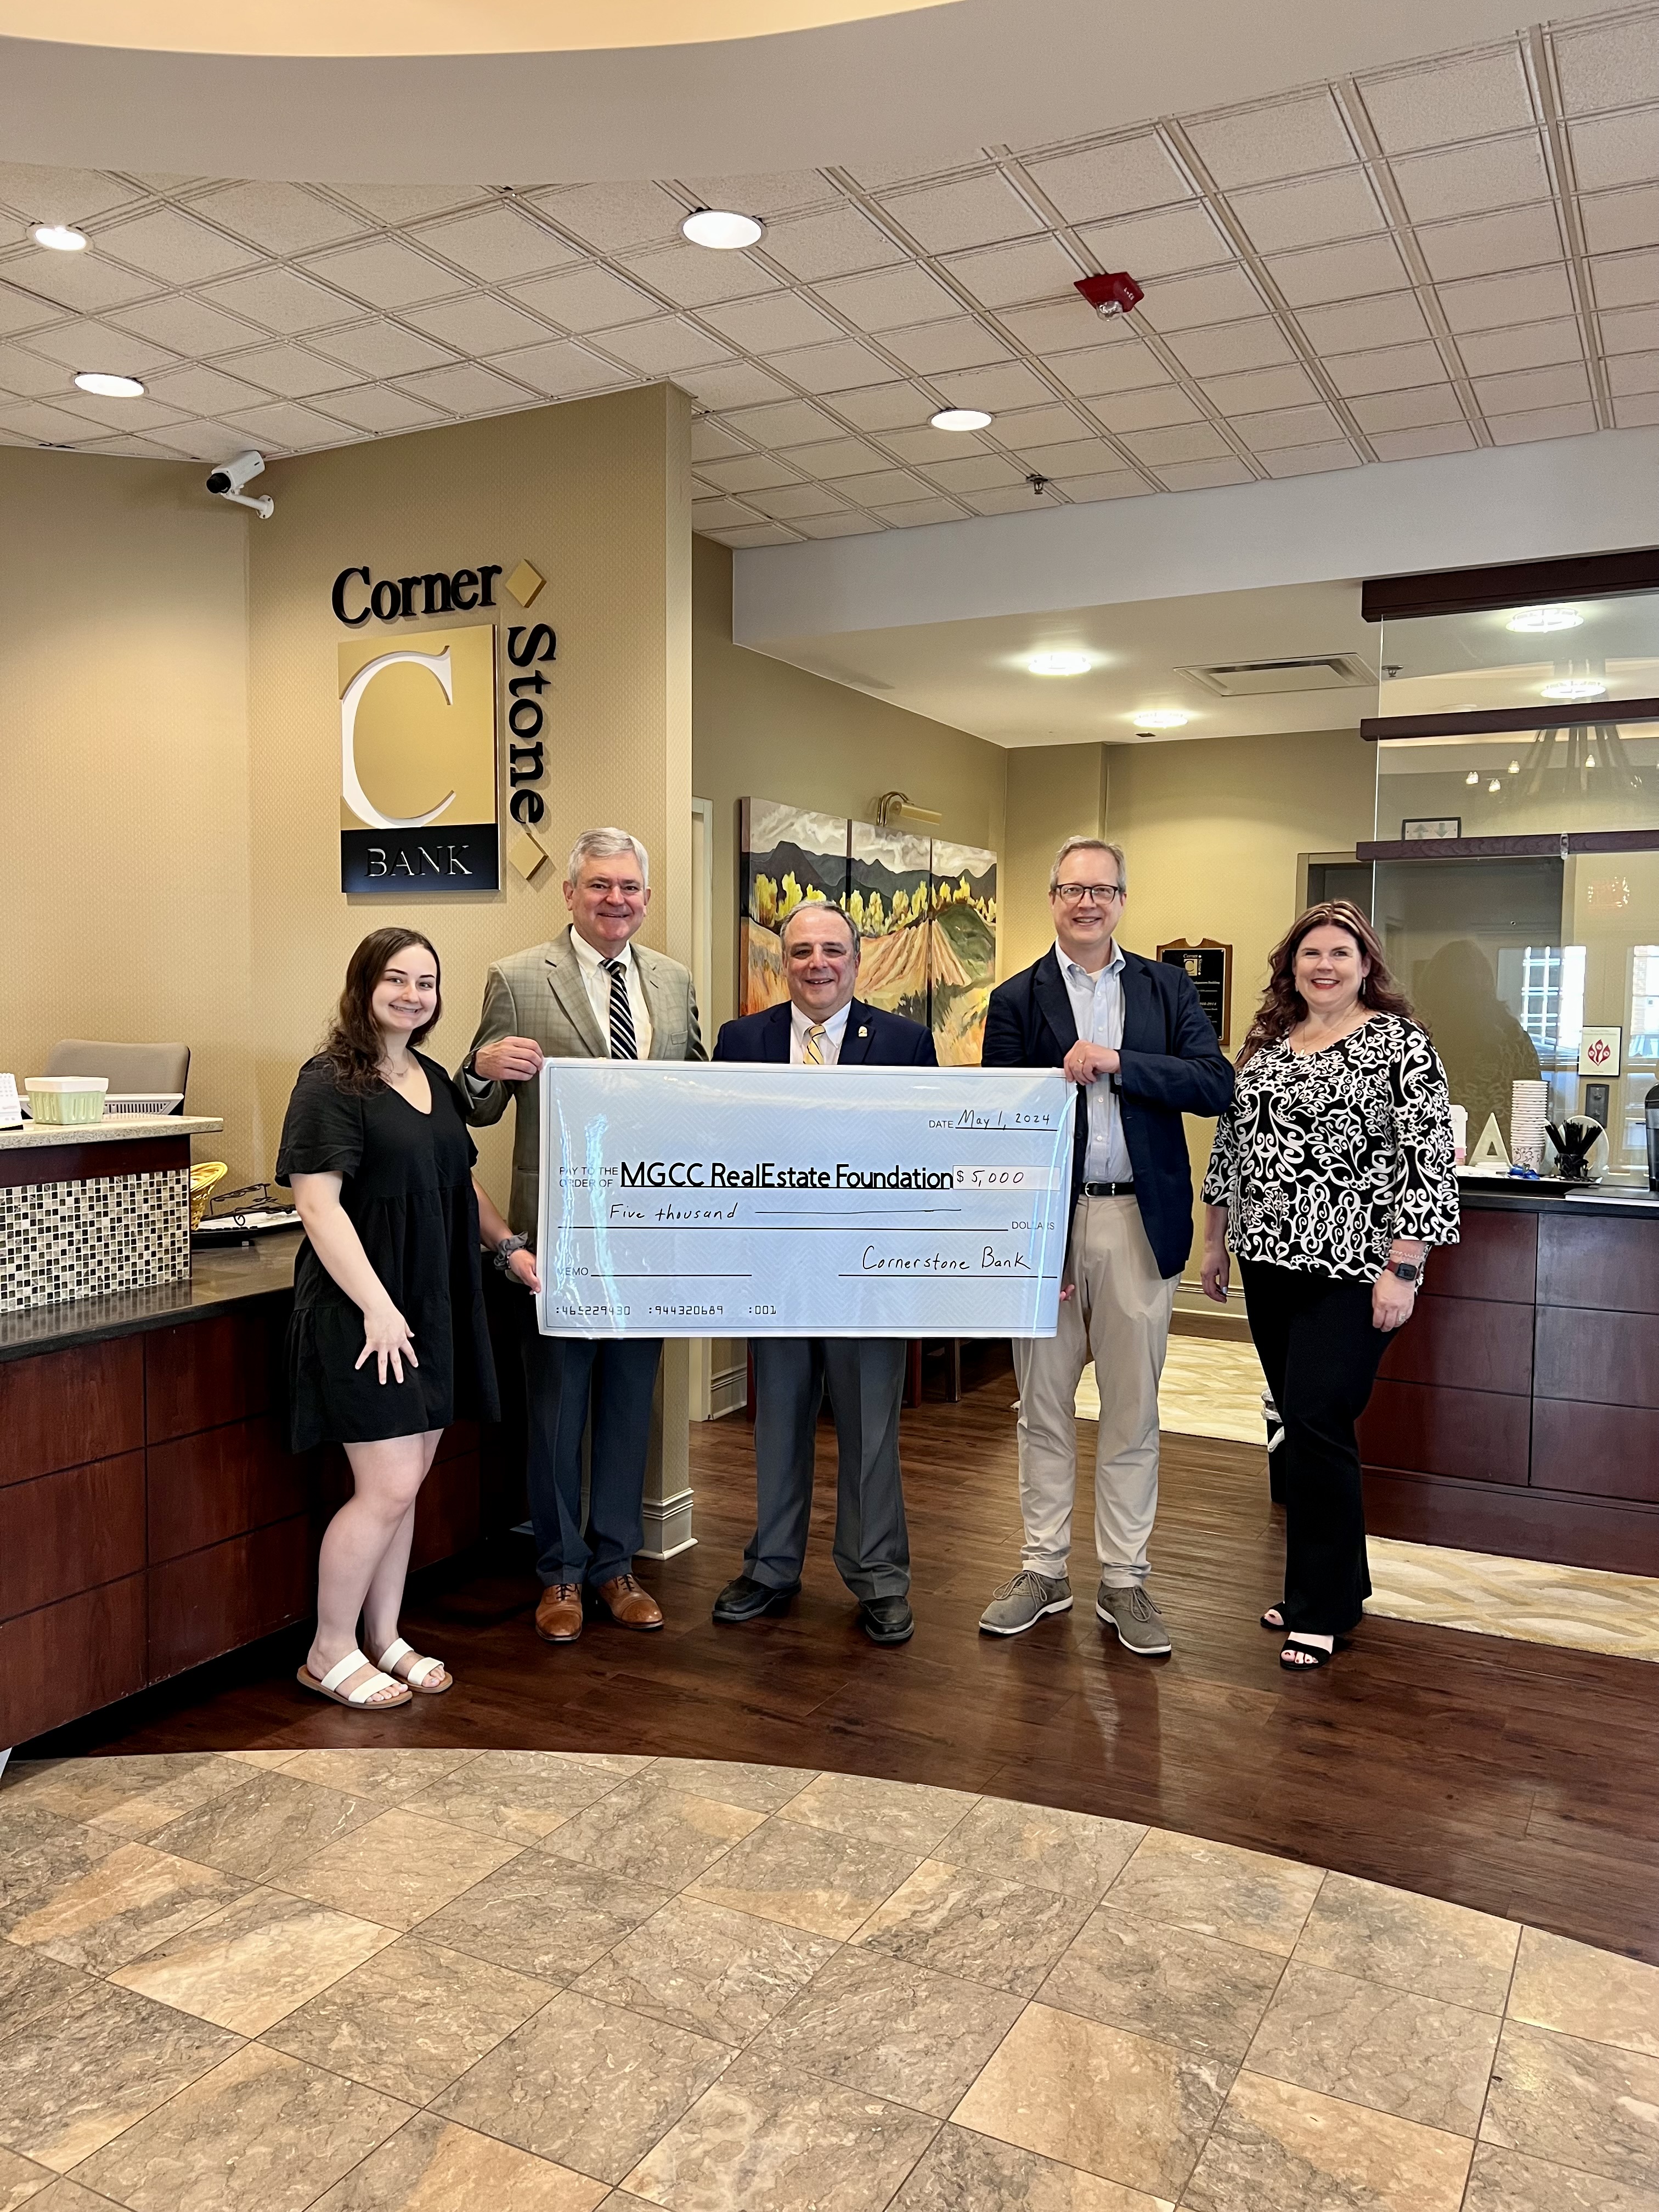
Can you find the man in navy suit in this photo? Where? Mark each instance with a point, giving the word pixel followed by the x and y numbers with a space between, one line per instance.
pixel 823 1025
pixel 1130 1033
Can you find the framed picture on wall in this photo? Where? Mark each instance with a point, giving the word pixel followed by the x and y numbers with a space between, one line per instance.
pixel 1427 828
pixel 962 949
pixel 787 855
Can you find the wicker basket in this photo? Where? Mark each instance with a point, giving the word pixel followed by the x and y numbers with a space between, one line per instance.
pixel 202 1177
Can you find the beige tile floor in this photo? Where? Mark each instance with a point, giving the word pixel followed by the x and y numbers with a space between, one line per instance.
pixel 1212 1388
pixel 385 1981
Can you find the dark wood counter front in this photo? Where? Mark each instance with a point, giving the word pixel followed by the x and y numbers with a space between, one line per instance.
pixel 1519 1411
pixel 151 1516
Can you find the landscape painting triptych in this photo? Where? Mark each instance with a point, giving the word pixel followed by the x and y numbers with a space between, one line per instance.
pixel 927 912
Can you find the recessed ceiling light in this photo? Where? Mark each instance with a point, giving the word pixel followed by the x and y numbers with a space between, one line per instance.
pixel 1575 687
pixel 1060 663
pixel 1161 718
pixel 1515 768
pixel 720 229
pixel 961 418
pixel 109 387
pixel 60 237
pixel 1474 776
pixel 1532 620
pixel 1494 784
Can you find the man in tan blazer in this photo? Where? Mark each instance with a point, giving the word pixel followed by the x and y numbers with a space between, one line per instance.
pixel 591 994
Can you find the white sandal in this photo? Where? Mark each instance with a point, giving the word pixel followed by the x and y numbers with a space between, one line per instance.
pixel 356 1700
pixel 420 1674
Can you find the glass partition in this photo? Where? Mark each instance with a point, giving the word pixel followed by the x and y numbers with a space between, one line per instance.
pixel 1509 657
pixel 1594 775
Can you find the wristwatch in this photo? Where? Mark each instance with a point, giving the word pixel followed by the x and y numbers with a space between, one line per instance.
pixel 507 1247
pixel 1408 1270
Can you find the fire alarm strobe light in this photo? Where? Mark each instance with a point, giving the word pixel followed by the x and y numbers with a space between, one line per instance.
pixel 1114 294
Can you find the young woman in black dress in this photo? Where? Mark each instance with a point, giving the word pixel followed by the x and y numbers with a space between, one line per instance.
pixel 387 1344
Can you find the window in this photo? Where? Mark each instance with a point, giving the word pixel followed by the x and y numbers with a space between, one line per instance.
pixel 1645 1002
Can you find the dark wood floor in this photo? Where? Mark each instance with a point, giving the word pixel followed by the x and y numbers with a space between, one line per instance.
pixel 1517 1779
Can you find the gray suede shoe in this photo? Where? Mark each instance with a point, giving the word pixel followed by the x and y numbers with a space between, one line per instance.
pixel 1138 1623
pixel 1021 1603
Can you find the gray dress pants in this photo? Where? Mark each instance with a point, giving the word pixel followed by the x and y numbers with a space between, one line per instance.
pixel 864 1377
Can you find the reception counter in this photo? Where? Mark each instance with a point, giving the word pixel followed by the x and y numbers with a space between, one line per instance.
pixel 1519 1412
pixel 95 1207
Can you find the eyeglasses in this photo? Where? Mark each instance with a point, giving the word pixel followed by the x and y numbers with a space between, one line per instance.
pixel 1074 894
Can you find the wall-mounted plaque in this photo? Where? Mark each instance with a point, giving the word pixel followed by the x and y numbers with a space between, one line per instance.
pixel 1600 1051
pixel 1210 965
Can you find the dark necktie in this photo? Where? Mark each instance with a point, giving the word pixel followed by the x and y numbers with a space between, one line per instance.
pixel 623 1044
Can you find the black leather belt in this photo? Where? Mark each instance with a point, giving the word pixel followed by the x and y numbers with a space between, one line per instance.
pixel 1109 1190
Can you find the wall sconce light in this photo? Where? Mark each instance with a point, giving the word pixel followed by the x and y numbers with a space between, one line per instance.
pixel 894 806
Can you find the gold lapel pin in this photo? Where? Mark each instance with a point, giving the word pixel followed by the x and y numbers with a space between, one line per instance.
pixel 863 1032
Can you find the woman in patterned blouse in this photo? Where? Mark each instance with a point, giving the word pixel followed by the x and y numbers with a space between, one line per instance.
pixel 1330 1178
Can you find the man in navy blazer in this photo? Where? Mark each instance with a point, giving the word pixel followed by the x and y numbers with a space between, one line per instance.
pixel 1130 1033
pixel 823 1025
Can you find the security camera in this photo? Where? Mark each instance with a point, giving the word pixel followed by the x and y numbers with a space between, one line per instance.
pixel 226 482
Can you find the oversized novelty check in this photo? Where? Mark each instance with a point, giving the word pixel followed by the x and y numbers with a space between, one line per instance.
pixel 683 1200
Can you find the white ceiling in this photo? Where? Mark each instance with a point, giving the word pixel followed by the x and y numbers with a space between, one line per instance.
pixel 1416 261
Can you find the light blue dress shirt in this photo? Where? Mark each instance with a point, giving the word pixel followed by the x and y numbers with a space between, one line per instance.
pixel 1097 1010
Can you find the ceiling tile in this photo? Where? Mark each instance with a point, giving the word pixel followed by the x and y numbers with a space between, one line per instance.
pixel 1121 179
pixel 659 349
pixel 397 203
pixel 1121 367
pixel 836 457
pixel 1393 319
pixel 1203 475
pixel 1161 245
pixel 1625 279
pixel 285 424
pixel 386 273
pixel 1535 345
pixel 747 472
pixel 790 423
pixel 1009 499
pixel 931 348
pixel 977 472
pixel 558 369
pixel 1546 423
pixel 296 373
pixel 1640 410
pixel 768 325
pixel 26 376
pixel 1482 245
pixel 1493 173
pixel 38 424
pixel 973 211
pixel 1287 426
pixel 1489 303
pixel 1629 330
pixel 1607 64
pixel 466 389
pixel 377 407
pixel 1406 411
pixel 1181 303
pixel 887 406
pixel 1000 386
pixel 1256 344
pixel 130 416
pixel 768 193
pixel 1634 372
pixel 585 299
pixel 833 244
pixel 1442 103
pixel 186 326
pixel 1392 369
pixel 1285 138
pixel 927 447
pixel 82 344
pixel 1187 441
pixel 1315 210
pixel 883 487
pixel 849 523
pixel 1057 328
pixel 692 276
pixel 1108 484
pixel 200 441
pixel 18 312
pixel 501 244
pixel 1310 460
pixel 1328 273
pixel 842 367
pixel 1259 388
pixel 739 384
pixel 612 216
pixel 1614 221
pixel 281 300
pixel 205 392
pixel 1416 444
pixel 62 195
pixel 917 514
pixel 1150 409
pixel 174 247
pixel 1531 388
pixel 381 349
pixel 1623 150
pixel 477 324
pixel 85 282
pixel 1044 426
pixel 710 442
pixel 278 218
pixel 889 298
pixel 798 499
pixel 1004 276
pixel 719 514
pixel 761 533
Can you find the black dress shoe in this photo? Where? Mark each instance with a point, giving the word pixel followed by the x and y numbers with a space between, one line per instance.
pixel 887 1619
pixel 745 1599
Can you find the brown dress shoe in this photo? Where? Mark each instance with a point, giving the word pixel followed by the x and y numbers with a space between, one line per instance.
pixel 559 1614
pixel 628 1606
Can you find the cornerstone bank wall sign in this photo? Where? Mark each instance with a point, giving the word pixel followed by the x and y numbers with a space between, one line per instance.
pixel 418 761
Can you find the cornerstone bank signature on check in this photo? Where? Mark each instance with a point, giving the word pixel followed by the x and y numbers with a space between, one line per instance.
pixel 681 1199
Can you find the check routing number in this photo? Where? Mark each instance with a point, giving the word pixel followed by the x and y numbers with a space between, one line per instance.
pixel 681 1199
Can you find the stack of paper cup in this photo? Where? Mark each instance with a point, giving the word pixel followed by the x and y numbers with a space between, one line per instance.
pixel 1529 1105
pixel 1460 1118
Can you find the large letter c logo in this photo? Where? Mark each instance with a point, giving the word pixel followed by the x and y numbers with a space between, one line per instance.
pixel 355 797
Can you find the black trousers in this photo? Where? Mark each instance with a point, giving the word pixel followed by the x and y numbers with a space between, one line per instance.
pixel 564 1376
pixel 1318 1352
pixel 864 1376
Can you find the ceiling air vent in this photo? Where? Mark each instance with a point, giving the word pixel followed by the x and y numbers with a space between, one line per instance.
pixel 1306 671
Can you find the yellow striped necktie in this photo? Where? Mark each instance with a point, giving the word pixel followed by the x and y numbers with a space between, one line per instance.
pixel 811 1052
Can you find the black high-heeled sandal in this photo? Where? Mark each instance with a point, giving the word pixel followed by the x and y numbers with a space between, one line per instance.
pixel 1274 1619
pixel 1310 1657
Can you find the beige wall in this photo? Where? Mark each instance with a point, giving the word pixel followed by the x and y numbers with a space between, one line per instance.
pixel 124 769
pixel 763 729
pixel 1054 791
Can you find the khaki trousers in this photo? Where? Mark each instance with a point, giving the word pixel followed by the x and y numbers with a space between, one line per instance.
pixel 1118 1315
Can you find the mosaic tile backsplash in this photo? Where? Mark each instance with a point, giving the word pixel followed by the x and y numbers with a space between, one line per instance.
pixel 81 1240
